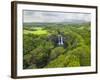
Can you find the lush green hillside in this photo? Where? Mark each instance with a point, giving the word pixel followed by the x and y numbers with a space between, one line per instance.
pixel 43 50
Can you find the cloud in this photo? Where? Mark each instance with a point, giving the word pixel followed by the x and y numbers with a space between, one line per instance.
pixel 49 16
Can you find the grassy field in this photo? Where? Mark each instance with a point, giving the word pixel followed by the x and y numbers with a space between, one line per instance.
pixel 42 48
pixel 38 31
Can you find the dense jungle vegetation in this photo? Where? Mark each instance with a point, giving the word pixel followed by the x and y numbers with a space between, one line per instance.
pixel 41 47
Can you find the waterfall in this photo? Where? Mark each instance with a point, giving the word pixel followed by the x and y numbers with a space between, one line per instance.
pixel 60 40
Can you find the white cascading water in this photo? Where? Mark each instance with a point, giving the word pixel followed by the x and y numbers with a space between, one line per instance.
pixel 60 40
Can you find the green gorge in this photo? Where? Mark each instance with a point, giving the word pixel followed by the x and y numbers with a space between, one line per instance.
pixel 55 45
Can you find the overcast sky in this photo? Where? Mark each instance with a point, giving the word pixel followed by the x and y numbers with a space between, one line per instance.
pixel 48 16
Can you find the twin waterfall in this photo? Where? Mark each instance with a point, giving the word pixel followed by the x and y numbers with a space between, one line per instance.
pixel 60 40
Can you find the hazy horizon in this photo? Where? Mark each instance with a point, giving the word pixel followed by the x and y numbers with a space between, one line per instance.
pixel 54 17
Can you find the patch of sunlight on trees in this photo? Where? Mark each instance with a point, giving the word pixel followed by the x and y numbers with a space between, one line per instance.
pixel 36 32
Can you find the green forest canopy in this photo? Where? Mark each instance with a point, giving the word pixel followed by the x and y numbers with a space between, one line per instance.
pixel 42 51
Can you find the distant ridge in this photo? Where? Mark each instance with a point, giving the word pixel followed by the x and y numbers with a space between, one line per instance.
pixel 63 23
pixel 67 22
